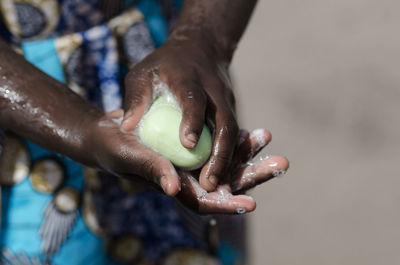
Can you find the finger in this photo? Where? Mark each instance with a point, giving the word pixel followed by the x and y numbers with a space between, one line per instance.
pixel 191 190
pixel 116 114
pixel 193 102
pixel 250 146
pixel 259 138
pixel 156 168
pixel 256 173
pixel 236 204
pixel 243 147
pixel 225 139
pixel 138 97
pixel 220 201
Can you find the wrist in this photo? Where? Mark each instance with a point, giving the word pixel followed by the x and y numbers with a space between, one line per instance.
pixel 201 37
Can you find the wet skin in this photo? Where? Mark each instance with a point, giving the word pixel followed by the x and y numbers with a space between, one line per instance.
pixel 238 179
pixel 47 112
pixel 194 63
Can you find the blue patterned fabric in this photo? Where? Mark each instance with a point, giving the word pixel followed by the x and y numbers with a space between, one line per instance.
pixel 114 222
pixel 44 56
pixel 91 65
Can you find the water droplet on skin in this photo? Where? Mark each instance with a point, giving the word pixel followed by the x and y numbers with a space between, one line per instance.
pixel 240 211
pixel 278 173
pixel 202 194
pixel 263 158
pixel 249 175
pixel 250 164
pixel 273 164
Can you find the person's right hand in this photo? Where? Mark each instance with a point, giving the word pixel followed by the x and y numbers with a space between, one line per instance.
pixel 196 75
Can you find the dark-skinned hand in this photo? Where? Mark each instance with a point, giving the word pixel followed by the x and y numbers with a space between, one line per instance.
pixel 201 84
pixel 122 154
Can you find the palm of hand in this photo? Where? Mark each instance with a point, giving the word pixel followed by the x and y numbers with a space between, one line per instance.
pixel 124 155
pixel 227 197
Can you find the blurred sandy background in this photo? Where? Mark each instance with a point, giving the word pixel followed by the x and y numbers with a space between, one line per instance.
pixel 324 77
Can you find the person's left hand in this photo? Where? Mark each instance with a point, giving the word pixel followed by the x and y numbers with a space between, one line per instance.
pixel 228 197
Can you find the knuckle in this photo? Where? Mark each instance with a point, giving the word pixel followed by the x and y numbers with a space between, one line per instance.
pixel 196 93
pixel 182 78
pixel 228 131
pixel 222 158
pixel 193 95
pixel 191 91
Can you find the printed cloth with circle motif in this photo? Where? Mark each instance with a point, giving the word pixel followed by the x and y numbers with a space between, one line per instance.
pixel 54 211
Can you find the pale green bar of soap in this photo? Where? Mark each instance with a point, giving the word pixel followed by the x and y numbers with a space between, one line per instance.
pixel 159 130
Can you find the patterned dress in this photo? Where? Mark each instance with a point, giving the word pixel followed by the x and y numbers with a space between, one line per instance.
pixel 54 210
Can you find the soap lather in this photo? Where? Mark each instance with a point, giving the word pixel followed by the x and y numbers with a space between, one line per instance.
pixel 159 131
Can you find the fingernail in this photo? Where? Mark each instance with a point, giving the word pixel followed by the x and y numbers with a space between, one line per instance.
pixel 213 180
pixel 264 157
pixel 165 184
pixel 192 139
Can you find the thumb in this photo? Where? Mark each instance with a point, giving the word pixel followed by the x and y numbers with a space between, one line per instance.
pixel 138 96
pixel 158 169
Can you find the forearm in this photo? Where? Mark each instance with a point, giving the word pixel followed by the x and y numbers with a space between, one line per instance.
pixel 42 109
pixel 220 22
